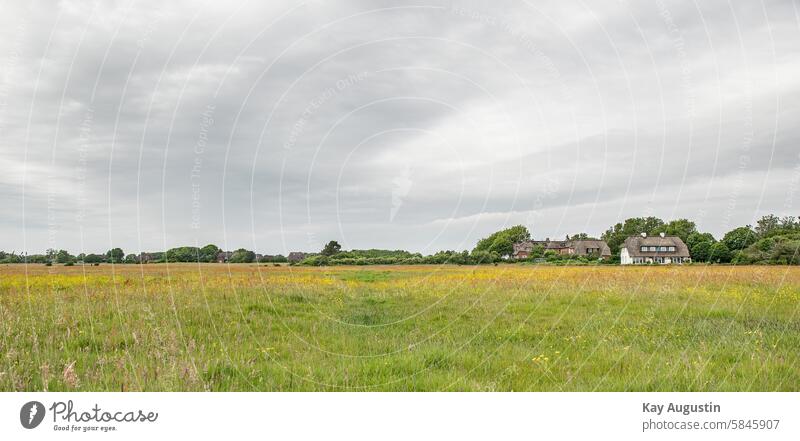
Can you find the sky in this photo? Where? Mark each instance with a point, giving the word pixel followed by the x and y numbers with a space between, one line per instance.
pixel 278 126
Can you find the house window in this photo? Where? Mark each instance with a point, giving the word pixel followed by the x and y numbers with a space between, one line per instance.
pixel 662 248
pixel 672 249
pixel 643 249
pixel 652 248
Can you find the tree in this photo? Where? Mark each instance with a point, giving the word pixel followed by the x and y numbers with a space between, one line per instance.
pixel 331 248
pixel 115 255
pixel 786 252
pixel 93 258
pixel 242 256
pixel 502 242
pixel 682 228
pixel 579 236
pixel 64 257
pixel 634 226
pixel 701 251
pixel 719 253
pixel 740 238
pixel 789 223
pixel 698 237
pixel 767 224
pixel 130 258
pixel 182 254
pixel 208 253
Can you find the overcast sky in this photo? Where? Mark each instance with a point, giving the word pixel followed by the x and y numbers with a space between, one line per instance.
pixel 278 126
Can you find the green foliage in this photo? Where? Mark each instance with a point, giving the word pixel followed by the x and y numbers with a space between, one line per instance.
pixel 701 251
pixel 719 253
pixel 502 242
pixel 777 249
pixel 242 256
pixel 64 257
pixel 373 253
pixel 740 238
pixel 208 253
pixel 331 248
pixel 93 258
pixel 478 257
pixel 318 260
pixel 279 258
pixel 767 224
pixel 617 234
pixel 772 225
pixel 115 255
pixel 182 254
pixel 682 228
pixel 696 238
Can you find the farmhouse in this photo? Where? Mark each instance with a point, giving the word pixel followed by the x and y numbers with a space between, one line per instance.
pixel 660 249
pixel 523 250
pixel 578 247
pixel 296 256
pixel 223 256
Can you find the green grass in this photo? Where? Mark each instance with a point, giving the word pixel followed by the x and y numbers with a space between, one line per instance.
pixel 243 328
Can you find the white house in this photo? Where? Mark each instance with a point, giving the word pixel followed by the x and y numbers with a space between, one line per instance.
pixel 660 249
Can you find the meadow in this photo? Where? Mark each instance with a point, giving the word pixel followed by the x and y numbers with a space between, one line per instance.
pixel 218 327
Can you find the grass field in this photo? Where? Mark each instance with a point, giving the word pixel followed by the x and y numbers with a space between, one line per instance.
pixel 216 327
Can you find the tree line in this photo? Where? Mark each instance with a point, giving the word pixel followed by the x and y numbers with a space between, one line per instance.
pixel 206 254
pixel 773 240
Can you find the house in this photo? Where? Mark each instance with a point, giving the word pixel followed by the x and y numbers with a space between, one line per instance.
pixel 523 250
pixel 578 247
pixel 661 249
pixel 224 256
pixel 296 256
pixel 590 247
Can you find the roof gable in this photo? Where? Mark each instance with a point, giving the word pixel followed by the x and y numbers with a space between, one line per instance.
pixel 634 246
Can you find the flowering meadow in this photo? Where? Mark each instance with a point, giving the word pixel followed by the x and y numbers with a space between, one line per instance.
pixel 239 327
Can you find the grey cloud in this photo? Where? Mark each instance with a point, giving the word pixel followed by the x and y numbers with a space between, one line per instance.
pixel 453 119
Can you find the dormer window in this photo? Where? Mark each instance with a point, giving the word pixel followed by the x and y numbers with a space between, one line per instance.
pixel 652 248
pixel 643 249
pixel 672 249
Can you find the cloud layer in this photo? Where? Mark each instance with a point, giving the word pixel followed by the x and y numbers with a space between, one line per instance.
pixel 280 126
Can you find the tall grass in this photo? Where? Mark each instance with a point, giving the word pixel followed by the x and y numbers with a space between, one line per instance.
pixel 215 327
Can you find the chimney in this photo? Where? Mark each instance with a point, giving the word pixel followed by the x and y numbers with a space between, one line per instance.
pixel 662 234
pixel 644 234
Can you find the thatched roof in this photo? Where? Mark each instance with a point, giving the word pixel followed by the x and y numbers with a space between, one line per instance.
pixel 634 245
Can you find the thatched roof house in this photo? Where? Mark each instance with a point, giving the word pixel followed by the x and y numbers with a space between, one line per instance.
pixel 296 256
pixel 660 249
pixel 578 247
